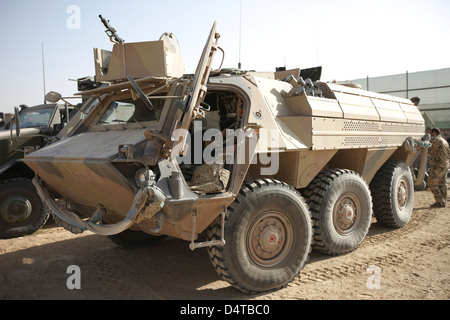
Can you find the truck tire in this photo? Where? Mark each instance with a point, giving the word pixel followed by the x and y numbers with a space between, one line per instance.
pixel 21 209
pixel 393 190
pixel 341 208
pixel 268 237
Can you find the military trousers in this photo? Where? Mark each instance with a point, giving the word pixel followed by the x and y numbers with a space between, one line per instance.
pixel 437 181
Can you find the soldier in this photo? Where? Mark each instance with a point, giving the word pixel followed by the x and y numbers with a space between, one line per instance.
pixel 439 156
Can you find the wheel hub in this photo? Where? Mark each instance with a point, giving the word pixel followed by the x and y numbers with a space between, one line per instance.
pixel 346 214
pixel 402 195
pixel 16 209
pixel 269 238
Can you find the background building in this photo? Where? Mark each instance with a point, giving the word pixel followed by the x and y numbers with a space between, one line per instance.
pixel 432 87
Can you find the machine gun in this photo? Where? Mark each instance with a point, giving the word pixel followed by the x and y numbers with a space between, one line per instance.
pixel 111 32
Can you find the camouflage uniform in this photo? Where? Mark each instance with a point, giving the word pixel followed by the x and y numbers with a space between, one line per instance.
pixel 439 155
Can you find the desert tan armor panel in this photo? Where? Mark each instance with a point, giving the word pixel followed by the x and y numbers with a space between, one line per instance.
pixel 139 59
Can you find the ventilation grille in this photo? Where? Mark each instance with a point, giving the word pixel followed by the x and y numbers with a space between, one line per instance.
pixel 392 141
pixel 361 126
pixel 361 141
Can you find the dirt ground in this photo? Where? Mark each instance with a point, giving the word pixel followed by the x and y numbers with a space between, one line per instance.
pixel 412 263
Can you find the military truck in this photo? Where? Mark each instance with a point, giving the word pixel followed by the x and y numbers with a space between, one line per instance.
pixel 4 118
pixel 256 167
pixel 21 209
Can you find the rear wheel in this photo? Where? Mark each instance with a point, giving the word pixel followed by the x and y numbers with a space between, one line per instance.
pixel 21 209
pixel 268 237
pixel 393 189
pixel 341 208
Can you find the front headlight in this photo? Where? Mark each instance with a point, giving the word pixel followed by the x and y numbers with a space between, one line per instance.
pixel 142 177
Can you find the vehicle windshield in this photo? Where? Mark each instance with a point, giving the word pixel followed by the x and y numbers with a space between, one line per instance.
pixel 32 118
pixel 127 111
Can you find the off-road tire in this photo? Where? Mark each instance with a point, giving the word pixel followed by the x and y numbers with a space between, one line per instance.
pixel 279 215
pixel 393 190
pixel 38 215
pixel 341 208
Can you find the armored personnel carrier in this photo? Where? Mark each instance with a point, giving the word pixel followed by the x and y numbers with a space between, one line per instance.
pixel 261 166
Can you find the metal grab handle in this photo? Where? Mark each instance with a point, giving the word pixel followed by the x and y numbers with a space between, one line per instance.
pixel 141 93
pixel 423 161
pixel 422 168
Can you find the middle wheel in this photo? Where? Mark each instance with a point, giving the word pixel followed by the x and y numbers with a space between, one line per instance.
pixel 341 207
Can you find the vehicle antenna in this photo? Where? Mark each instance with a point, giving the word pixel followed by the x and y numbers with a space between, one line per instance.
pixel 43 70
pixel 240 33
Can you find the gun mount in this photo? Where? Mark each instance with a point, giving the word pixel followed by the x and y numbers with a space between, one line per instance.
pixel 111 32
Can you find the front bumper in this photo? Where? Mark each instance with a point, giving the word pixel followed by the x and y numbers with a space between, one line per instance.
pixel 77 225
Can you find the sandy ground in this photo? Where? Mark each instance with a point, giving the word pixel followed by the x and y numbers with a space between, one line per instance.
pixel 409 263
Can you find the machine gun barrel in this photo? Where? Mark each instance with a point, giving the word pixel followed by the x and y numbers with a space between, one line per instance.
pixel 110 31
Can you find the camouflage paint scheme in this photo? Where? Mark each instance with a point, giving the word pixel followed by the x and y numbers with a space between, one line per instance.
pixel 439 155
pixel 93 166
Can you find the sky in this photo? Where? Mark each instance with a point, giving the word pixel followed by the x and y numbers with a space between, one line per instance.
pixel 349 39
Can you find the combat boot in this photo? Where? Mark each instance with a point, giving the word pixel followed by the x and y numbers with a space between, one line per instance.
pixel 438 205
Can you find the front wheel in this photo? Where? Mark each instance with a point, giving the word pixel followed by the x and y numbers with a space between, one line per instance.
pixel 268 237
pixel 21 210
